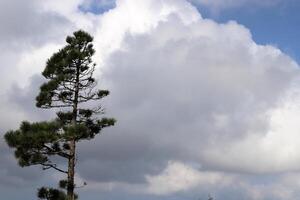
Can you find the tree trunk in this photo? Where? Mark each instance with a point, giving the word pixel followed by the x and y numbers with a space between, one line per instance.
pixel 71 163
pixel 71 171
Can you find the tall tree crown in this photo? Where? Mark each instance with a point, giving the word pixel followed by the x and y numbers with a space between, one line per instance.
pixel 69 69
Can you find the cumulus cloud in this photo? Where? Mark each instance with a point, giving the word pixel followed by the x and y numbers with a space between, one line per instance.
pixel 208 86
pixel 123 20
pixel 182 88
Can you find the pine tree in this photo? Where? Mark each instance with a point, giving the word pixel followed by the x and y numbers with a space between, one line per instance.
pixel 70 88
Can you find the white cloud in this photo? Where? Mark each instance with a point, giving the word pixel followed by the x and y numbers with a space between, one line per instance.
pixel 179 177
pixel 203 87
pixel 274 151
pixel 136 17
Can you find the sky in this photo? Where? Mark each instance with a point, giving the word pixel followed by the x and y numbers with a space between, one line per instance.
pixel 205 93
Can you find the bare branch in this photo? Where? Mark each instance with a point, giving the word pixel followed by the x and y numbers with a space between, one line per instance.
pixel 53 166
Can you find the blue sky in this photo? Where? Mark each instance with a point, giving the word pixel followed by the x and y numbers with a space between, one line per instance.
pixel 276 25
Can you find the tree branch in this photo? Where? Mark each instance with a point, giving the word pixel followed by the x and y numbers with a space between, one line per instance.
pixel 48 166
pixel 62 154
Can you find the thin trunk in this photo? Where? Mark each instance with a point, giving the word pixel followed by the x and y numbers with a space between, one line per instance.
pixel 71 163
pixel 71 171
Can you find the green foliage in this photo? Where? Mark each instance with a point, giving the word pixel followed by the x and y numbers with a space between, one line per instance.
pixel 69 70
pixel 51 194
pixel 46 193
pixel 63 184
pixel 32 141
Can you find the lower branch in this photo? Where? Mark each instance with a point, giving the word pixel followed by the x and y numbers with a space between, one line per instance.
pixel 48 166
